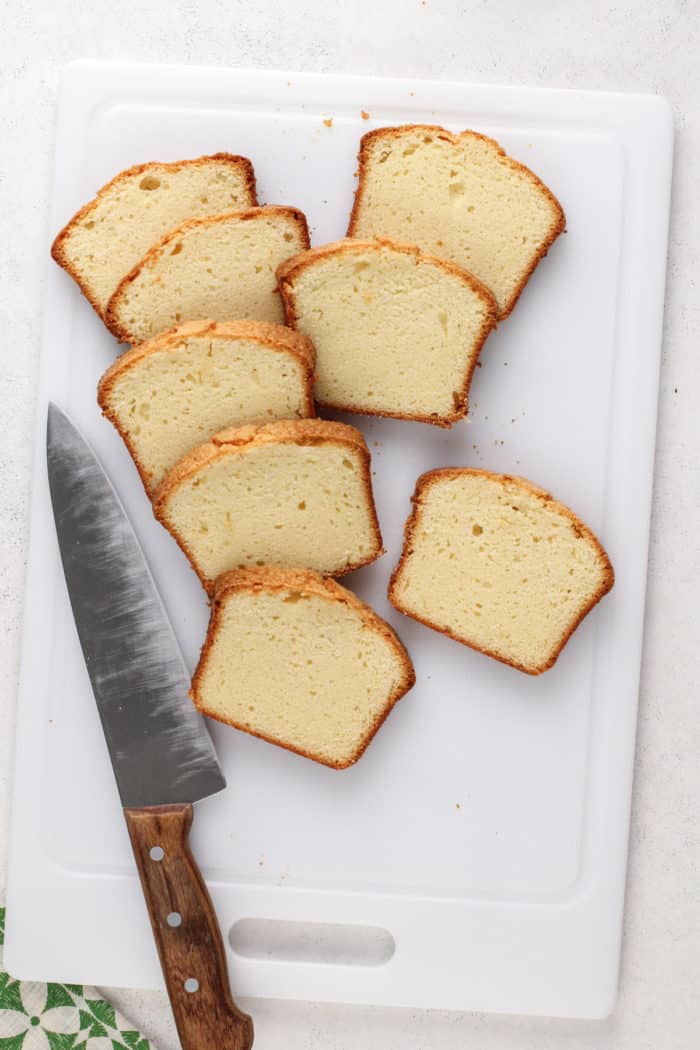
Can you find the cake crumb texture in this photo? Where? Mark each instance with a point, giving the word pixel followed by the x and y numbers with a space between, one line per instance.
pixel 290 493
pixel 301 662
pixel 221 267
pixel 457 196
pixel 498 564
pixel 170 394
pixel 110 234
pixel 397 332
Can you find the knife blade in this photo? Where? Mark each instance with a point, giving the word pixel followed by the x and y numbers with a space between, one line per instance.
pixel 162 756
pixel 158 744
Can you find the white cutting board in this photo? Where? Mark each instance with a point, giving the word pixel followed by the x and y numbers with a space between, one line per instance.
pixel 485 830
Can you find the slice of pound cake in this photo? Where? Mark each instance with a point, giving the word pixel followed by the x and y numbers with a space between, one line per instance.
pixel 290 493
pixel 300 661
pixel 221 267
pixel 457 196
pixel 496 563
pixel 169 395
pixel 107 237
pixel 397 332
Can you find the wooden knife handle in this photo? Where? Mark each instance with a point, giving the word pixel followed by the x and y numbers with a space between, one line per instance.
pixel 186 931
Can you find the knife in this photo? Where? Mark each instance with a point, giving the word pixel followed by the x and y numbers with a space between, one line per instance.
pixel 162 756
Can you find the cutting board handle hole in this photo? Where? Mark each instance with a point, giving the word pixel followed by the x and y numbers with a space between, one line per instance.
pixel 191 985
pixel 312 942
pixel 174 919
pixel 156 853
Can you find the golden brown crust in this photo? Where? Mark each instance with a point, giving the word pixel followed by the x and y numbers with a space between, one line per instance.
pixel 283 431
pixel 288 270
pixel 425 481
pixel 299 431
pixel 305 581
pixel 274 336
pixel 558 223
pixel 350 245
pixel 111 318
pixel 237 440
pixel 58 251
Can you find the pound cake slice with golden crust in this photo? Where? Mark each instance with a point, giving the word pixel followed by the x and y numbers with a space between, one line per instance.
pixel 172 393
pixel 111 233
pixel 290 493
pixel 457 196
pixel 220 267
pixel 301 662
pixel 496 563
pixel 396 332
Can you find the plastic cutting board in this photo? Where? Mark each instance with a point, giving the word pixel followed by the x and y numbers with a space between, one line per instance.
pixel 482 840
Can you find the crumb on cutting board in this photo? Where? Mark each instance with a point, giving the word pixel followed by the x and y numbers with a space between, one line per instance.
pixel 364 114
pixel 328 122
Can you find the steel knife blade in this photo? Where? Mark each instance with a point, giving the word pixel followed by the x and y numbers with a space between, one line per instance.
pixel 160 749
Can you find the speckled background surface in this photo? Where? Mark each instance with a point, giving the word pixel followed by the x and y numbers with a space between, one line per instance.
pixel 649 45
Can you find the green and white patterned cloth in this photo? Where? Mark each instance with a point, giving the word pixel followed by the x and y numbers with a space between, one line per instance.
pixel 37 1016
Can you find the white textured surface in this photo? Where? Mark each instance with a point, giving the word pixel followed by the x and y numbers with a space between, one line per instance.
pixel 649 46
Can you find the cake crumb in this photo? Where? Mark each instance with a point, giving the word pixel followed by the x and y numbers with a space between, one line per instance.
pixel 328 122
pixel 364 114
pixel 458 805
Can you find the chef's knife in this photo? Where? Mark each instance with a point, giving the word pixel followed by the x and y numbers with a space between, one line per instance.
pixel 161 753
